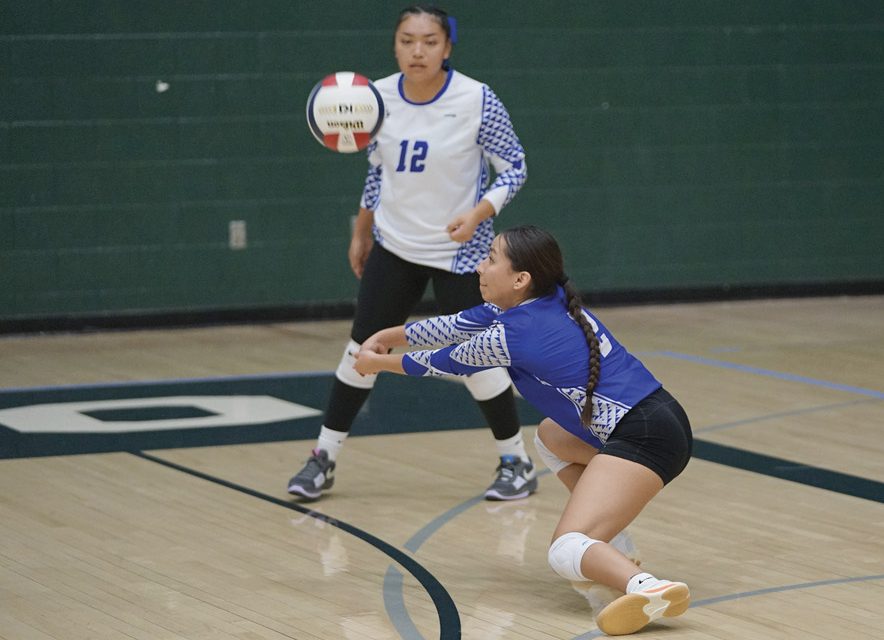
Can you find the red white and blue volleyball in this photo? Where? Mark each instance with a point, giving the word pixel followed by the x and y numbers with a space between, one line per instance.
pixel 345 111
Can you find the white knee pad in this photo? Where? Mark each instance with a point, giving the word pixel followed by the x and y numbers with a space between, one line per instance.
pixel 566 552
pixel 488 384
pixel 550 459
pixel 347 374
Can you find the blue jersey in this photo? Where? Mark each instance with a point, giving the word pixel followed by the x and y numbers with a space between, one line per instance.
pixel 546 355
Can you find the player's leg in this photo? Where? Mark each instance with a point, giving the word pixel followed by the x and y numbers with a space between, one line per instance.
pixel 389 290
pixel 649 447
pixel 566 455
pixel 516 476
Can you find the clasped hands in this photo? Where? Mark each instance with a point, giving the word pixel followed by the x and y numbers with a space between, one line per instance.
pixel 366 362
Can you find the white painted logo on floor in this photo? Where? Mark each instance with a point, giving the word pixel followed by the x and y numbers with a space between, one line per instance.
pixel 225 411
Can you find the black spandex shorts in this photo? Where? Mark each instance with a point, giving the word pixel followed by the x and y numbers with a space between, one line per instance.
pixel 391 289
pixel 655 433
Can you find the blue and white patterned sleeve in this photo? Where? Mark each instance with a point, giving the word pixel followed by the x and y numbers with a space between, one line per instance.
pixel 501 145
pixel 485 350
pixel 451 329
pixel 371 194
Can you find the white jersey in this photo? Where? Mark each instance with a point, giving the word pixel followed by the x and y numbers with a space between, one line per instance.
pixel 430 163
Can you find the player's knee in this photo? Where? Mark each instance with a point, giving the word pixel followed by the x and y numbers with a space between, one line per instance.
pixel 551 460
pixel 566 553
pixel 347 374
pixel 488 384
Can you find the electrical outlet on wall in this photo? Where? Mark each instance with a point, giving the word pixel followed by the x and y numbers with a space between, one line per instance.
pixel 237 238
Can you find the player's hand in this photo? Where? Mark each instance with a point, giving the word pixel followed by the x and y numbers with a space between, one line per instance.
pixel 374 345
pixel 366 364
pixel 360 247
pixel 462 228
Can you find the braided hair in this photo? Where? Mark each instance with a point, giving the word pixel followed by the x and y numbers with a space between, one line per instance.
pixel 536 251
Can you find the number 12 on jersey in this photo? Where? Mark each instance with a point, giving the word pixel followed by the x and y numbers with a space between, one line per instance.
pixel 412 156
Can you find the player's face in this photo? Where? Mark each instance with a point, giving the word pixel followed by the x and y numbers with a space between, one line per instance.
pixel 421 47
pixel 498 283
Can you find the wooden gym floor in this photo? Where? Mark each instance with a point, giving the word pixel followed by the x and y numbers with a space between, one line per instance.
pixel 777 524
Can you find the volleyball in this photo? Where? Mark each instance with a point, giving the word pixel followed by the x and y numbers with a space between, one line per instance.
pixel 345 111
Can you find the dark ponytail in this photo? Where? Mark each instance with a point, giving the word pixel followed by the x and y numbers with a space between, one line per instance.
pixel 534 250
pixel 575 310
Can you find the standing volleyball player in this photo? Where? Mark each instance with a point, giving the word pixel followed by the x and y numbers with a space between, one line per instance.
pixel 425 216
pixel 613 435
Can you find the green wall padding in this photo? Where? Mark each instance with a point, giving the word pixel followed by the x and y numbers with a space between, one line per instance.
pixel 671 144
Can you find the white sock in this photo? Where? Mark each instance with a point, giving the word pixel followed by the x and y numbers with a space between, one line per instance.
pixel 641 581
pixel 332 441
pixel 514 446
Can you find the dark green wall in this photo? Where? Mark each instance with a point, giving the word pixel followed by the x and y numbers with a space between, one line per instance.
pixel 671 144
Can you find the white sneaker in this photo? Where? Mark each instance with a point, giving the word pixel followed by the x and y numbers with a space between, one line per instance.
pixel 630 612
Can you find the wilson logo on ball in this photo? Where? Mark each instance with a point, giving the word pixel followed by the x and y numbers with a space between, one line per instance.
pixel 345 111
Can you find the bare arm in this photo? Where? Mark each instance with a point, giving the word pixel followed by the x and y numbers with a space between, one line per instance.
pixel 462 228
pixel 384 340
pixel 361 242
pixel 374 354
pixel 369 362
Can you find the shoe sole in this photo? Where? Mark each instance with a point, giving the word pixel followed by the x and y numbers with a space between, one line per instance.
pixel 298 490
pixel 629 613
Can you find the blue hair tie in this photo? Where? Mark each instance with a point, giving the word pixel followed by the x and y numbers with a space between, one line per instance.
pixel 452 25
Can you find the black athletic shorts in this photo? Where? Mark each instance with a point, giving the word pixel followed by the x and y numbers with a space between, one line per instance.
pixel 655 433
pixel 391 289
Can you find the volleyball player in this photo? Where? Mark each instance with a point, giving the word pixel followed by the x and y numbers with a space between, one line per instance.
pixel 613 435
pixel 425 216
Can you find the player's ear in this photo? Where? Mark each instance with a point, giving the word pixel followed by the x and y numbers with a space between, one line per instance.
pixel 522 281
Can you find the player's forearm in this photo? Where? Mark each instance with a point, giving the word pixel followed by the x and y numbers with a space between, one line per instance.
pixel 391 337
pixel 363 223
pixel 368 363
pixel 483 210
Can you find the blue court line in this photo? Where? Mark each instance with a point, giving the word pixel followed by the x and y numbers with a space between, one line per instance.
pixel 449 619
pixel 394 597
pixel 394 605
pixel 723 364
pixel 783 414
pixel 758 592
pixel 415 541
pixel 394 601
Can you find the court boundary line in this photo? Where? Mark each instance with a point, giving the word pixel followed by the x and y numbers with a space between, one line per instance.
pixel 783 414
pixel 449 618
pixel 770 373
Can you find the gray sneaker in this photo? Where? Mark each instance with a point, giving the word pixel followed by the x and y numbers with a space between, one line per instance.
pixel 515 479
pixel 318 475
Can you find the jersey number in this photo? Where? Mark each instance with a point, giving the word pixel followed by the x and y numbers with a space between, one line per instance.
pixel 604 342
pixel 418 154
